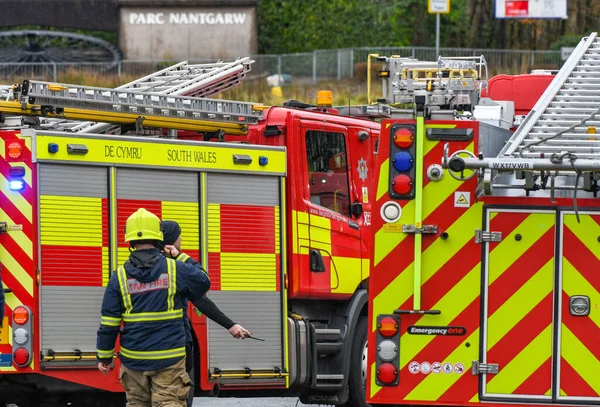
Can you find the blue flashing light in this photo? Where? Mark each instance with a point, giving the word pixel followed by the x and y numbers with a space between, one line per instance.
pixel 262 160
pixel 52 148
pixel 16 185
pixel 403 161
pixel 16 171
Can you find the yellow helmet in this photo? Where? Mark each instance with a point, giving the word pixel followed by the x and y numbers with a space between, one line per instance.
pixel 143 225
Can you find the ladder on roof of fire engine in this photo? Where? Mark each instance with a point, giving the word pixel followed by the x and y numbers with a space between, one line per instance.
pixel 559 134
pixel 75 102
pixel 564 119
pixel 183 79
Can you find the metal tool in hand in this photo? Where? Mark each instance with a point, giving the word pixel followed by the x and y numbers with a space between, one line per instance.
pixel 254 337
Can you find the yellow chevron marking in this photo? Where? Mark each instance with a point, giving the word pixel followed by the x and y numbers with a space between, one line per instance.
pixel 434 385
pixel 17 199
pixel 374 387
pixel 520 304
pixel 18 235
pixel 436 193
pixel 453 303
pixel 575 284
pixel 523 365
pixel 384 175
pixel 587 231
pixel 14 267
pixel 434 258
pixel 509 250
pixel 186 214
pixel 214 228
pixel 430 144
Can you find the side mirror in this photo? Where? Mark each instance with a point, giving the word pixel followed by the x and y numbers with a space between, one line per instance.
pixel 356 209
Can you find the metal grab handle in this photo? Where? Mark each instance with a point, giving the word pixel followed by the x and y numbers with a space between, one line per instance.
pixel 417 311
pixel 7 290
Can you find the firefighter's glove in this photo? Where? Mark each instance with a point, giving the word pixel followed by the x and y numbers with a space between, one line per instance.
pixel 171 251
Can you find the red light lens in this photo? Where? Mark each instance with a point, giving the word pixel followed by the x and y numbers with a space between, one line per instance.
pixel 14 149
pixel 387 373
pixel 388 327
pixel 402 184
pixel 21 356
pixel 20 315
pixel 403 138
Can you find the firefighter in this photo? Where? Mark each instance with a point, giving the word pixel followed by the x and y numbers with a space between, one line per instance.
pixel 147 294
pixel 172 238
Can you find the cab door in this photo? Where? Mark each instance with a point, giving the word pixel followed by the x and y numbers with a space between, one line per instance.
pixel 334 244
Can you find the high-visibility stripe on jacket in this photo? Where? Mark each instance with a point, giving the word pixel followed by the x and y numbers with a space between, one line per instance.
pixel 148 312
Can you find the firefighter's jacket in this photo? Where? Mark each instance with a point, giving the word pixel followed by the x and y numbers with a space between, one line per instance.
pixel 147 295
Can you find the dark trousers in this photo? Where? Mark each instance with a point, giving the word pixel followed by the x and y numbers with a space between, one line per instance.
pixel 189 368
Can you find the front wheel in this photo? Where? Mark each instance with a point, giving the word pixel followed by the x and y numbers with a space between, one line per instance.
pixel 357 380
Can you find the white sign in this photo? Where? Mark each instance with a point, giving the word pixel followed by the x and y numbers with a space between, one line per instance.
pixel 438 6
pixel 505 165
pixel 565 52
pixel 187 18
pixel 462 199
pixel 531 9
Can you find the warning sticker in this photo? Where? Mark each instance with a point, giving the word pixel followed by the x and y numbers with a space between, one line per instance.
pixel 414 367
pixel 459 368
pixel 462 199
pixel 5 359
pixel 425 368
pixel 436 367
pixel 448 368
pixel 365 194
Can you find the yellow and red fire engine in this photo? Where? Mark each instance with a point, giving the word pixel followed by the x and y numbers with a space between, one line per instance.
pixel 275 202
pixel 484 283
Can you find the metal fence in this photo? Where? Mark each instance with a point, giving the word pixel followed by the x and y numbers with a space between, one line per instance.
pixel 310 68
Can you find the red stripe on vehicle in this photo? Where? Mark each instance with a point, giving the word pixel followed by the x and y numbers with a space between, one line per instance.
pixel 572 383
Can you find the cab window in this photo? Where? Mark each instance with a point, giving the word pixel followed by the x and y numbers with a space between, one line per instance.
pixel 328 170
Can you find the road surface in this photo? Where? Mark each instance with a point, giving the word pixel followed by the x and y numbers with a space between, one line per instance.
pixel 249 402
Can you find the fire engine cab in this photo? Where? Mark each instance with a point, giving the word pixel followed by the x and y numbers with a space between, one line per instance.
pixel 484 281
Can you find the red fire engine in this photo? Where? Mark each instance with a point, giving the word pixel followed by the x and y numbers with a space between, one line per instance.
pixel 281 222
pixel 484 281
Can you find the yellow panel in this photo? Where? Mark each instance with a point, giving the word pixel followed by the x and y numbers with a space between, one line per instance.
pixel 186 214
pixel 122 256
pixel 346 276
pixel 366 265
pixel 105 267
pixel 4 331
pixel 213 156
pixel 248 272
pixel 318 234
pixel 214 228
pixel 320 221
pixel 70 221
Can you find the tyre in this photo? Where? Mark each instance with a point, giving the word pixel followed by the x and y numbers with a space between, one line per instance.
pixel 357 380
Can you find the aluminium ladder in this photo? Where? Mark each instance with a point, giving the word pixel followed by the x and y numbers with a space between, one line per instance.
pixel 75 102
pixel 182 79
pixel 565 118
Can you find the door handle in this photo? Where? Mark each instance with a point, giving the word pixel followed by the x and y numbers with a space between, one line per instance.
pixel 579 305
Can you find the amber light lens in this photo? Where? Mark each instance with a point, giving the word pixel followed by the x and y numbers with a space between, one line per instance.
pixel 20 315
pixel 388 327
